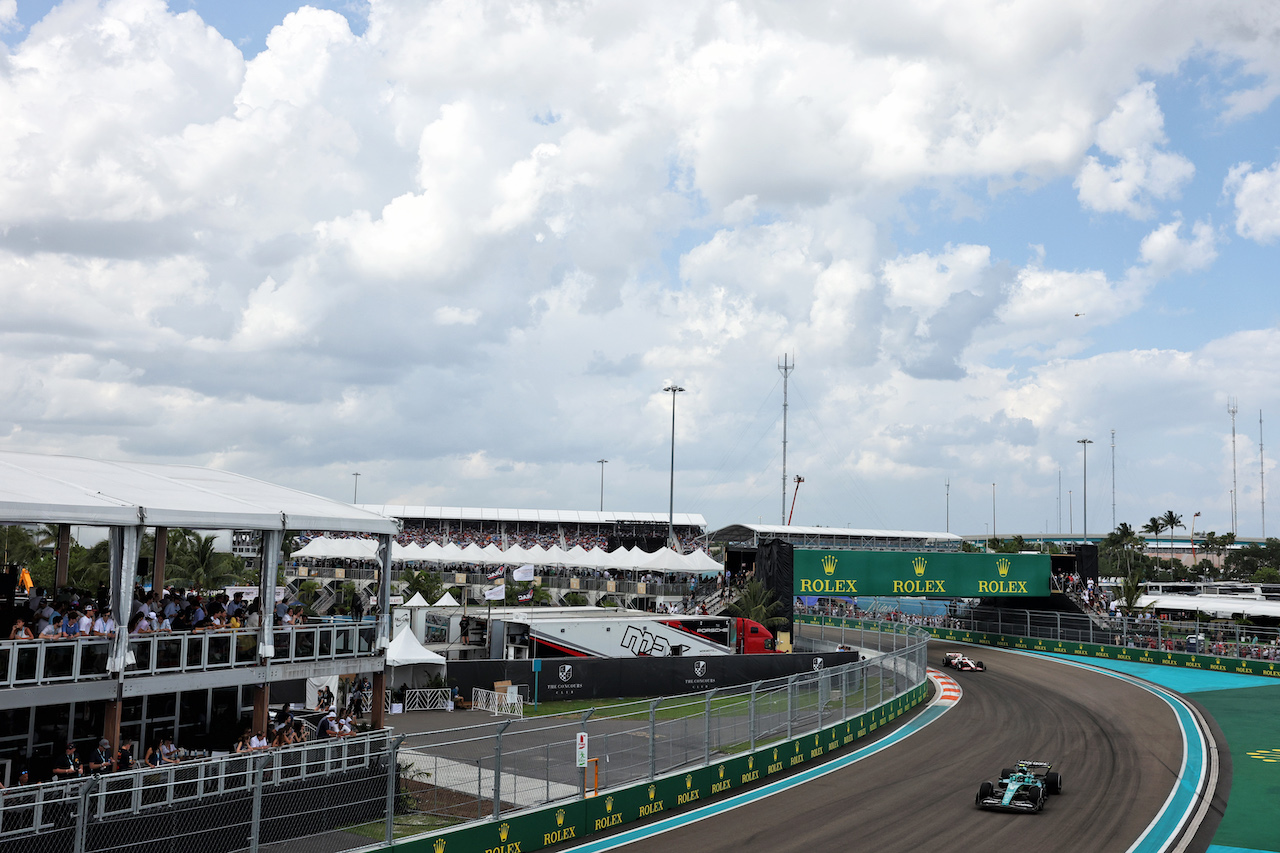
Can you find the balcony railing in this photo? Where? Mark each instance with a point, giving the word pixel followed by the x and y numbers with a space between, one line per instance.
pixel 34 662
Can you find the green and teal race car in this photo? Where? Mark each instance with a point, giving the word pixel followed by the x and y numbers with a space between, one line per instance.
pixel 1022 789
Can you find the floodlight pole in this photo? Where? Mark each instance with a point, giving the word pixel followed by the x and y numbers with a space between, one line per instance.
pixel 1084 536
pixel 602 464
pixel 355 489
pixel 673 389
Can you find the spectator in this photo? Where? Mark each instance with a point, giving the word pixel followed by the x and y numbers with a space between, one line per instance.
pixel 68 767
pixel 100 761
pixel 168 751
pixel 20 630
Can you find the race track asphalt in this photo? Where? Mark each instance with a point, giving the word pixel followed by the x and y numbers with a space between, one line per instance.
pixel 1118 747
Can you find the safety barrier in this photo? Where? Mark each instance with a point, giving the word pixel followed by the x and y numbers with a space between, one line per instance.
pixel 508 703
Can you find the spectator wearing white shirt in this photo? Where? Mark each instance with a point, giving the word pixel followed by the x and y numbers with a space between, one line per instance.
pixel 104 625
pixel 85 624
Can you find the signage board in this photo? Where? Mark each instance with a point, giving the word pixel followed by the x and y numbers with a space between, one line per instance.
pixel 931 574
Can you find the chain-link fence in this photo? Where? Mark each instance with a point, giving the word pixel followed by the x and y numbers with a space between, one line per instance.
pixel 344 793
pixel 466 774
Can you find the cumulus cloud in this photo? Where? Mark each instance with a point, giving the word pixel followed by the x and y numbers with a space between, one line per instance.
pixel 1142 172
pixel 1164 251
pixel 1256 195
pixel 505 226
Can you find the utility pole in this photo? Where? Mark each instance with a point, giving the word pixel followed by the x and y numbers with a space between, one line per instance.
pixel 1059 503
pixel 355 489
pixel 673 389
pixel 785 367
pixel 1084 443
pixel 1232 408
pixel 993 511
pixel 948 504
pixel 602 463
pixel 1113 479
pixel 1262 475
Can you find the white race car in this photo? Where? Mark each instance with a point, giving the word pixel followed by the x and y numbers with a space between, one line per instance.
pixel 956 660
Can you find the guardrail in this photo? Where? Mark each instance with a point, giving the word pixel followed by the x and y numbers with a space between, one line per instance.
pixel 32 662
pixel 365 787
pixel 509 703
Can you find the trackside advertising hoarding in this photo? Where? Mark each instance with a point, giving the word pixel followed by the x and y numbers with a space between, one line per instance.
pixel 927 573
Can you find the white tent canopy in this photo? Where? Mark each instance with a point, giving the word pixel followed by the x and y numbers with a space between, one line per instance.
pixel 405 650
pixel 664 560
pixel 416 601
pixel 409 663
pixel 39 489
pixel 446 600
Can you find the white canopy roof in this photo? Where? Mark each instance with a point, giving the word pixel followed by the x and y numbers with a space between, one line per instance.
pixel 416 601
pixel 405 650
pixel 322 547
pixel 37 489
pixel 446 600
pixel 545 516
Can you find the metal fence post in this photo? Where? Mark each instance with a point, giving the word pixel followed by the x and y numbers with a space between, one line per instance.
pixel 844 692
pixel 392 773
pixel 751 713
pixel 82 816
pixel 791 689
pixel 582 788
pixel 255 822
pixel 706 751
pixel 497 769
pixel 653 737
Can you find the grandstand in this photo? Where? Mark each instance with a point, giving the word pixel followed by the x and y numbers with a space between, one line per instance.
pixel 528 527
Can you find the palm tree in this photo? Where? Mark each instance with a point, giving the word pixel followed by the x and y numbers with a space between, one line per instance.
pixel 425 583
pixel 198 564
pixel 1154 527
pixel 757 602
pixel 1129 592
pixel 1171 520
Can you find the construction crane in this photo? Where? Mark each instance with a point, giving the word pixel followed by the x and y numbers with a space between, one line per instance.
pixel 791 514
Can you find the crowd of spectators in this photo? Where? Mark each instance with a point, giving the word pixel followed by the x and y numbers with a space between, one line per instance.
pixel 73 614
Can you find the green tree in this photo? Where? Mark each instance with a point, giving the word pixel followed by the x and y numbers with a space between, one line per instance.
pixel 1171 520
pixel 758 603
pixel 307 591
pixel 574 599
pixel 1251 560
pixel 1154 527
pixel 1117 549
pixel 197 563
pixel 19 546
pixel 424 583
pixel 1128 593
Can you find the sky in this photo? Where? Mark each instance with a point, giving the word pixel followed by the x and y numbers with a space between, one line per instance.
pixel 460 248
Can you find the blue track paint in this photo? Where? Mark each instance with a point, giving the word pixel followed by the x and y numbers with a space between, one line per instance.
pixel 927 716
pixel 1182 799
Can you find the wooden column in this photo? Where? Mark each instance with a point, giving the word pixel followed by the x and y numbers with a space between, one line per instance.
pixel 63 556
pixel 111 723
pixel 162 551
pixel 262 709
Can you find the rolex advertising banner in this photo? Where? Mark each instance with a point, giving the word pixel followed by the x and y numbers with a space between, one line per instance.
pixel 930 574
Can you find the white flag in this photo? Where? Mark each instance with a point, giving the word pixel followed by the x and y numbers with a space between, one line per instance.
pixel 498 593
pixel 524 573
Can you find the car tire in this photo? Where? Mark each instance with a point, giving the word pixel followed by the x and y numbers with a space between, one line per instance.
pixel 1036 797
pixel 1006 773
pixel 984 790
pixel 981 665
pixel 1053 783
